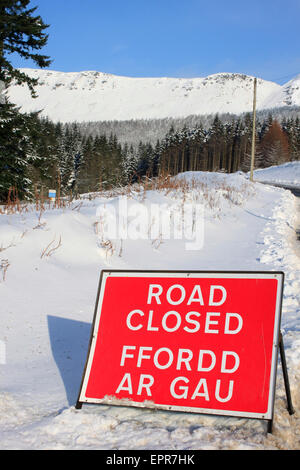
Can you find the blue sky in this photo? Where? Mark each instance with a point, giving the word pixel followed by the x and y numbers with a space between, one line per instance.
pixel 186 38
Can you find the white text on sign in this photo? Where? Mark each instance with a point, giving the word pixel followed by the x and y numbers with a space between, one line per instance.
pixel 183 359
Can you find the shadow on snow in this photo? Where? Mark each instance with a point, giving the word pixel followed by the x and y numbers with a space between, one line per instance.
pixel 69 341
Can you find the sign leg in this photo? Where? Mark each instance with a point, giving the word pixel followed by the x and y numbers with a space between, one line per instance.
pixel 285 376
pixel 270 426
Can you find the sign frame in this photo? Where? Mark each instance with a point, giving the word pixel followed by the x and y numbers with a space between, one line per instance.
pixel 276 348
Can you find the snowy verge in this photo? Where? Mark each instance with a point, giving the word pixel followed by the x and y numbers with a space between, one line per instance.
pixel 287 174
pixel 47 301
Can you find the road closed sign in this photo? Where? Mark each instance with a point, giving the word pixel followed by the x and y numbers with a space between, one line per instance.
pixel 203 342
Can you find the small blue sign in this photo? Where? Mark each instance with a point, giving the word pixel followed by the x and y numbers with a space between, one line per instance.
pixel 52 193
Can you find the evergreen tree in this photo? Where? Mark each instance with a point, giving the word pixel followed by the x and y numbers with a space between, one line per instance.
pixel 23 33
pixel 292 130
pixel 13 154
pixel 215 144
pixel 70 158
pixel 84 170
pixel 297 139
pixel 130 162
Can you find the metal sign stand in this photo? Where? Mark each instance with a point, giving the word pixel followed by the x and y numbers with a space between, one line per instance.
pixel 290 407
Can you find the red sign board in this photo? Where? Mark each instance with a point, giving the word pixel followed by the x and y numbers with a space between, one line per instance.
pixel 202 342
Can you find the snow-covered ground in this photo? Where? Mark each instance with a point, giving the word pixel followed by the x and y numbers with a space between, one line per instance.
pixel 286 174
pixel 47 304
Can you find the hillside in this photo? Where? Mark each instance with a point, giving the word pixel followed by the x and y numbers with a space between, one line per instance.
pixel 96 96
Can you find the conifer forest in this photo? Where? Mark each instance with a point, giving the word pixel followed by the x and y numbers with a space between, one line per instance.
pixel 73 159
pixel 37 154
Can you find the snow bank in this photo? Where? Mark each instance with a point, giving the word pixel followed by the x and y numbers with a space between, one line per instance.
pixel 47 304
pixel 286 174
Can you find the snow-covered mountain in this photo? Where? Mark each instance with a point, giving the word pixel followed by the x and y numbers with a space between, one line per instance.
pixel 97 96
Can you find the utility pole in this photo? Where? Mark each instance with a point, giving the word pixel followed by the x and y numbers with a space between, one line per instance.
pixel 253 131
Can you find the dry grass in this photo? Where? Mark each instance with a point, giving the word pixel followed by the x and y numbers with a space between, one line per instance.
pixel 4 264
pixel 108 246
pixel 3 248
pixel 179 187
pixel 50 248
pixel 210 192
pixel 40 224
pixel 39 203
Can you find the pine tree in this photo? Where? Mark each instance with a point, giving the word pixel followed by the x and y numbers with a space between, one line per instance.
pixel 84 170
pixel 129 164
pixel 215 144
pixel 13 154
pixel 23 33
pixel 297 139
pixel 292 129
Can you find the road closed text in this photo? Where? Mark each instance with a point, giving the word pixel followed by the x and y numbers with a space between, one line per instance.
pixel 184 359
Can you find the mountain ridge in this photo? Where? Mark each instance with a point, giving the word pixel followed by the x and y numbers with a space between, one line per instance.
pixel 88 96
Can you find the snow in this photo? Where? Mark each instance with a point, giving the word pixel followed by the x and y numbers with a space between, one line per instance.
pixel 285 174
pixel 96 96
pixel 47 305
pixel 288 94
